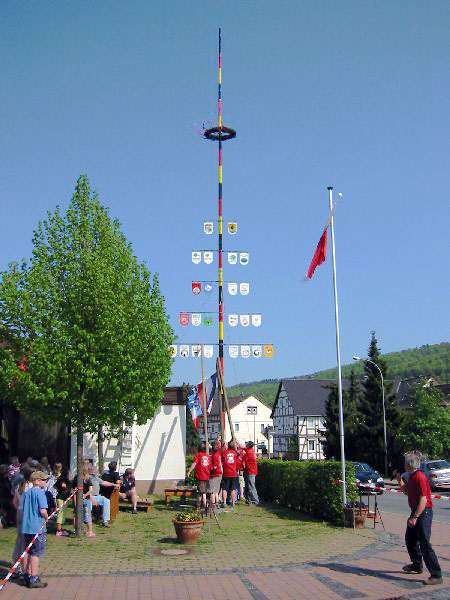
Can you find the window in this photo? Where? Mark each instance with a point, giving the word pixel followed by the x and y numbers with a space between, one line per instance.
pixel 310 422
pixel 311 445
pixel 236 426
pixel 263 428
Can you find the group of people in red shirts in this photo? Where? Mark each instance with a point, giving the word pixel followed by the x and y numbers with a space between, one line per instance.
pixel 229 470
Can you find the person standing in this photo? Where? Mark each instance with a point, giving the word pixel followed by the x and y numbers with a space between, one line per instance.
pixel 418 530
pixel 230 479
pixel 202 464
pixel 63 489
pixel 250 473
pixel 33 505
pixel 216 473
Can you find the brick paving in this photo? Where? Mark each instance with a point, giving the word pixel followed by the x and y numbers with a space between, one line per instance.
pixel 371 569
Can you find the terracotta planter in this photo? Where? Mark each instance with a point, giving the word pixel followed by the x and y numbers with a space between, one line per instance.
pixel 355 517
pixel 188 531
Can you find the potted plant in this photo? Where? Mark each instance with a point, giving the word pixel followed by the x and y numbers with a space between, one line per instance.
pixel 355 514
pixel 188 526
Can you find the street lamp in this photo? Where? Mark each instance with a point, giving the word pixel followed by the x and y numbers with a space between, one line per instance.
pixel 366 360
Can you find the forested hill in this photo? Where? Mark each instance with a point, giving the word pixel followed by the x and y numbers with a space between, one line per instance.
pixel 426 361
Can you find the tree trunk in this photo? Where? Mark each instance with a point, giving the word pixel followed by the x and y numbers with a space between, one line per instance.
pixel 79 506
pixel 100 455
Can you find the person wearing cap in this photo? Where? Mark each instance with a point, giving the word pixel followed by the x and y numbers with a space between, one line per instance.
pixel 250 473
pixel 34 516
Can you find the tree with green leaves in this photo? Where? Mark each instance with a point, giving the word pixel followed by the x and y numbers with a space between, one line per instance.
pixel 89 320
pixel 426 425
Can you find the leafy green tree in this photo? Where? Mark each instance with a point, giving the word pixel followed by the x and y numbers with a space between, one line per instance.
pixel 426 425
pixel 91 322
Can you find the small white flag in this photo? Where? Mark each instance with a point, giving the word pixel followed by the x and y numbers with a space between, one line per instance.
pixel 233 320
pixel 232 288
pixel 244 320
pixel 233 351
pixel 196 350
pixel 208 257
pixel 256 320
pixel 244 258
pixel 232 258
pixel 184 351
pixel 257 351
pixel 208 227
pixel 196 257
pixel 245 351
pixel 208 351
pixel 196 319
pixel 173 350
pixel 244 288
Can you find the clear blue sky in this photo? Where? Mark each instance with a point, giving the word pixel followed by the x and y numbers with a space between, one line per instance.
pixel 353 94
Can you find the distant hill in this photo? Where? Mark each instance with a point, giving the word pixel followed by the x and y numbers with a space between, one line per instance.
pixel 427 361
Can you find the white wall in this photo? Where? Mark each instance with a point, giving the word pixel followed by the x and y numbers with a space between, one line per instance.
pixel 249 426
pixel 156 450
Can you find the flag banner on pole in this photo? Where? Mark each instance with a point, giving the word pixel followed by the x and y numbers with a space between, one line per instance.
pixel 208 320
pixel 232 258
pixel 244 288
pixel 184 351
pixel 196 319
pixel 196 350
pixel 208 287
pixel 196 257
pixel 256 320
pixel 244 320
pixel 256 351
pixel 244 257
pixel 209 392
pixel 196 287
pixel 208 227
pixel 173 348
pixel 208 257
pixel 184 319
pixel 268 350
pixel 193 402
pixel 245 351
pixel 208 350
pixel 319 255
pixel 233 351
pixel 232 288
pixel 232 228
pixel 233 320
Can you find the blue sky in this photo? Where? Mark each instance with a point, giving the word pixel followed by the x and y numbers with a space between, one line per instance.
pixel 353 94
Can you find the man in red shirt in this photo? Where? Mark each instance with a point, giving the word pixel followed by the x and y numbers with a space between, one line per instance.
pixel 202 464
pixel 418 531
pixel 216 473
pixel 250 473
pixel 230 479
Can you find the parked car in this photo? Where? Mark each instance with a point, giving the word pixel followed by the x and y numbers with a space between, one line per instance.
pixel 368 476
pixel 438 473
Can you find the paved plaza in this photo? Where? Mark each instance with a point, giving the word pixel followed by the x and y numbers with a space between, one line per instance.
pixel 323 563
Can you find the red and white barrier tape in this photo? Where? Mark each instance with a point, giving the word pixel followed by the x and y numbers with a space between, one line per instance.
pixel 25 552
pixel 378 488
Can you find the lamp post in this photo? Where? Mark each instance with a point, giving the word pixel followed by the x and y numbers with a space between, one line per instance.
pixel 366 360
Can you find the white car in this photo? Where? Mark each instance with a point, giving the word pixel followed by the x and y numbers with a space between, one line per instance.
pixel 438 473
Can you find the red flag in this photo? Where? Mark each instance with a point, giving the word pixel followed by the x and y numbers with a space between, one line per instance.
pixel 319 255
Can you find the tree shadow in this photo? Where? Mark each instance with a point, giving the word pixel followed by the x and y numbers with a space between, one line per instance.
pixel 364 571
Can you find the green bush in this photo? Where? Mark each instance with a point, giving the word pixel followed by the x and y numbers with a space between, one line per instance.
pixel 309 486
pixel 191 480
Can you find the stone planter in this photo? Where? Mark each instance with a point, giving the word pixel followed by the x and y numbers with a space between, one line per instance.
pixel 188 532
pixel 355 517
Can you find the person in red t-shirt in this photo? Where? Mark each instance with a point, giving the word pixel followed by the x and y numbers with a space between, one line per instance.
pixel 241 466
pixel 202 464
pixel 418 531
pixel 216 473
pixel 230 479
pixel 250 473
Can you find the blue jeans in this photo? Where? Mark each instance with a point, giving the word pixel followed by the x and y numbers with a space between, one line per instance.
pixel 251 495
pixel 417 541
pixel 87 510
pixel 105 504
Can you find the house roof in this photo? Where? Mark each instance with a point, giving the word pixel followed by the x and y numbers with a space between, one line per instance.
pixel 173 396
pixel 307 397
pixel 215 410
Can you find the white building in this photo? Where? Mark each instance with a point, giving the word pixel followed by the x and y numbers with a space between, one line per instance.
pixel 250 418
pixel 156 450
pixel 298 417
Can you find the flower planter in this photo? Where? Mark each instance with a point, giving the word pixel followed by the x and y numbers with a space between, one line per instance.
pixel 188 532
pixel 355 517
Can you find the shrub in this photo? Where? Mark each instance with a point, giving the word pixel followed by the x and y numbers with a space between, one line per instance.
pixel 309 486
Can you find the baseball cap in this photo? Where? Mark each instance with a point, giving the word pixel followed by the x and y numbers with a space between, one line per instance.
pixel 39 475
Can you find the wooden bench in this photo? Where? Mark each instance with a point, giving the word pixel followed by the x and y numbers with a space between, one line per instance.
pixel 114 504
pixel 179 492
pixel 143 504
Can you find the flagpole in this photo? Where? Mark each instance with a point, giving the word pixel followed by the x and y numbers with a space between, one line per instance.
pixel 338 350
pixel 205 403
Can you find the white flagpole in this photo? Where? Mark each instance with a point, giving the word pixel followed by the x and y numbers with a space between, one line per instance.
pixel 338 351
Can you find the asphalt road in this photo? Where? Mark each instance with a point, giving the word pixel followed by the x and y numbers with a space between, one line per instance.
pixel 398 504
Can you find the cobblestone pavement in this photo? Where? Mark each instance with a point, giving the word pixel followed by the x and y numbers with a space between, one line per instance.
pixel 372 572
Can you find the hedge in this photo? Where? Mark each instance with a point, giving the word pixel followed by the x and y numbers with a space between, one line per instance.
pixel 308 486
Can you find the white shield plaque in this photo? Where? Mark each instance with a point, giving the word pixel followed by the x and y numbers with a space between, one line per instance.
pixel 245 351
pixel 208 257
pixel 244 288
pixel 244 258
pixel 184 351
pixel 256 320
pixel 244 320
pixel 208 351
pixel 232 288
pixel 196 257
pixel 256 351
pixel 196 319
pixel 232 228
pixel 232 258
pixel 196 350
pixel 208 227
pixel 233 320
pixel 233 351
pixel 173 348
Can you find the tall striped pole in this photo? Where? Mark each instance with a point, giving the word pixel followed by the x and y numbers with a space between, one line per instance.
pixel 220 134
pixel 220 223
